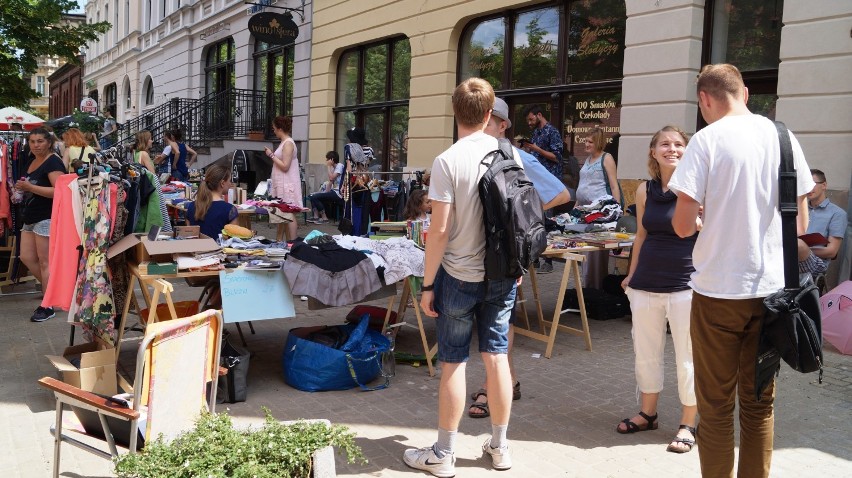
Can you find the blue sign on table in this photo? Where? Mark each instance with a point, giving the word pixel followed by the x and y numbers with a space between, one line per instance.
pixel 255 295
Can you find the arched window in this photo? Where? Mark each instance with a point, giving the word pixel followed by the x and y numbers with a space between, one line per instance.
pixel 747 34
pixel 128 103
pixel 110 98
pixel 566 57
pixel 219 66
pixel 149 91
pixel 373 86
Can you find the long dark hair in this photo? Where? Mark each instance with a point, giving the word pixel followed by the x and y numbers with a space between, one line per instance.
pixel 413 208
pixel 213 177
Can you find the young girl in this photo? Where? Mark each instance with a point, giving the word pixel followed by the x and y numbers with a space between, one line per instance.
pixel 418 206
pixel 210 210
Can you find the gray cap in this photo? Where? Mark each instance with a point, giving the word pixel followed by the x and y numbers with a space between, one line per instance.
pixel 501 110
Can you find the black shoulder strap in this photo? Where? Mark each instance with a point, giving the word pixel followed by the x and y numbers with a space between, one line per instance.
pixel 787 203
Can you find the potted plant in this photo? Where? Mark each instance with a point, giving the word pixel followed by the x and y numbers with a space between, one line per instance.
pixel 256 131
pixel 214 448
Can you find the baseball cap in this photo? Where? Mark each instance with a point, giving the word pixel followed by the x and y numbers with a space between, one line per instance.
pixel 501 110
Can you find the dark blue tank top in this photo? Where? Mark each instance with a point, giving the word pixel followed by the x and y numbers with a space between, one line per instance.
pixel 665 261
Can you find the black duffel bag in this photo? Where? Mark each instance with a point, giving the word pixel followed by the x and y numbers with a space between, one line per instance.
pixel 599 304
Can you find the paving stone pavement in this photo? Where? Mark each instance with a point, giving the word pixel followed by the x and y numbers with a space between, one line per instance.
pixel 563 426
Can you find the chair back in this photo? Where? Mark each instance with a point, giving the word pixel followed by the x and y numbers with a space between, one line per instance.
pixel 176 361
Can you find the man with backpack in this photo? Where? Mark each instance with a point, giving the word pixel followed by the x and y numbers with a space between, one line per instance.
pixel 552 193
pixel 455 288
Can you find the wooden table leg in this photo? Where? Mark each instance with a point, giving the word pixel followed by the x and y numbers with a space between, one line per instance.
pixel 584 319
pixel 537 298
pixel 557 311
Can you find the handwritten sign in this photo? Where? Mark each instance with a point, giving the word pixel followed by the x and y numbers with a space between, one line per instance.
pixel 255 295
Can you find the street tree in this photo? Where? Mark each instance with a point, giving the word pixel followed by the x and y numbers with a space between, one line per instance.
pixel 33 28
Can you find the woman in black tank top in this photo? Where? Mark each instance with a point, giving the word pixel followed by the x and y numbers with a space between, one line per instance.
pixel 657 285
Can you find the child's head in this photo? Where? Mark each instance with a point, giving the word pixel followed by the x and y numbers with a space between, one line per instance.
pixel 418 205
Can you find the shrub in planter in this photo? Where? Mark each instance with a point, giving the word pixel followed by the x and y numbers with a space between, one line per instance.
pixel 215 449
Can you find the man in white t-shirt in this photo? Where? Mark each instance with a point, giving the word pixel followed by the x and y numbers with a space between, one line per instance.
pixel 455 289
pixel 335 171
pixel 730 168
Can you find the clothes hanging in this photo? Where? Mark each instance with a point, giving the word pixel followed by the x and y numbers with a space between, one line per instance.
pixel 93 292
pixel 63 244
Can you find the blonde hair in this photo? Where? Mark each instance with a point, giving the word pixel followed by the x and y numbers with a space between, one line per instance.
pixel 721 81
pixel 213 177
pixel 473 98
pixel 142 139
pixel 74 137
pixel 653 165
pixel 596 134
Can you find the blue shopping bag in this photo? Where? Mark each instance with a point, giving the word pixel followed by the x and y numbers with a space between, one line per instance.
pixel 334 358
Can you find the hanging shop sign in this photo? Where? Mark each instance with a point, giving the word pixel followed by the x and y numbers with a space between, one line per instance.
pixel 274 28
pixel 89 105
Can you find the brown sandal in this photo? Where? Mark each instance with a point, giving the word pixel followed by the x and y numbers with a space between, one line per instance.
pixel 481 406
pixel 633 428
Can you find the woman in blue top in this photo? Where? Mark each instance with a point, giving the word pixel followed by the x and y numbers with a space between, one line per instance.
pixel 657 285
pixel 210 210
pixel 177 155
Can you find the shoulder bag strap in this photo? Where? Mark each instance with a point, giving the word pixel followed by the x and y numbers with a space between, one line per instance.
pixel 789 208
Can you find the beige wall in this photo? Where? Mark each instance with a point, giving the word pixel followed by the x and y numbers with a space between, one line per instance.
pixel 433 29
pixel 662 57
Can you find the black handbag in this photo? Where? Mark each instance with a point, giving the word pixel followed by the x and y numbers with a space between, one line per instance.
pixel 792 327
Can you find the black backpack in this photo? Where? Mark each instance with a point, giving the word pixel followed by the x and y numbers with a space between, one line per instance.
pixel 514 220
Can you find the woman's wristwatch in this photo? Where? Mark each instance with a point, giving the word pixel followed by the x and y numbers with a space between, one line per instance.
pixel 427 288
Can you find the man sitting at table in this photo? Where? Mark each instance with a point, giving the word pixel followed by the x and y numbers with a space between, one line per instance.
pixel 552 193
pixel 826 219
pixel 210 210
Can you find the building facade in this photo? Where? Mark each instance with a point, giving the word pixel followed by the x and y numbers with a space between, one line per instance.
pixel 66 87
pixel 47 66
pixel 628 67
pixel 158 50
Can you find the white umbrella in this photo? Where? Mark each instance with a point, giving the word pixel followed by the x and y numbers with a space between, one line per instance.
pixel 10 115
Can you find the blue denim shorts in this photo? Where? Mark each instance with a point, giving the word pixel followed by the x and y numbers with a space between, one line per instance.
pixel 41 228
pixel 460 304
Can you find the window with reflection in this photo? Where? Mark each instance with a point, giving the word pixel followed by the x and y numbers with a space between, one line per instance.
pixel 535 47
pixel 219 68
pixel 273 73
pixel 747 34
pixel 483 55
pixel 373 87
pixel 566 57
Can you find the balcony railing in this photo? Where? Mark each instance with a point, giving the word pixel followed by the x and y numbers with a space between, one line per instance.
pixel 218 116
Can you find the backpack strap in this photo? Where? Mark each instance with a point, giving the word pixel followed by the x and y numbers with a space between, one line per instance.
pixel 506 148
pixel 788 207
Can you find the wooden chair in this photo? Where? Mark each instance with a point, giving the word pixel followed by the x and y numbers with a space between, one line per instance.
pixel 166 397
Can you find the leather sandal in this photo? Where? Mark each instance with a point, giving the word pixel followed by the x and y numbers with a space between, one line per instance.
pixel 689 442
pixel 481 406
pixel 516 391
pixel 633 428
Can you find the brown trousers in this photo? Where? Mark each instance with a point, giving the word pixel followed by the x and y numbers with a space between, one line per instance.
pixel 725 335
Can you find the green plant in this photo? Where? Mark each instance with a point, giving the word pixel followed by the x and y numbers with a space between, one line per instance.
pixel 215 449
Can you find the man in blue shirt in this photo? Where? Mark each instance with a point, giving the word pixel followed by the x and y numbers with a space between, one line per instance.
pixel 552 193
pixel 827 219
pixel 545 143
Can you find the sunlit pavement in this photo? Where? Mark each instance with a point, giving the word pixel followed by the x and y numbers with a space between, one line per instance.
pixel 563 426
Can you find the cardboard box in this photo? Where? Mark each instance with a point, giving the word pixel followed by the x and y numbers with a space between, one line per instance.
pixel 96 372
pixel 160 251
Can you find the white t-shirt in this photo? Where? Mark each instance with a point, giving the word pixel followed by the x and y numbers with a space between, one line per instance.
pixel 455 180
pixel 335 185
pixel 731 168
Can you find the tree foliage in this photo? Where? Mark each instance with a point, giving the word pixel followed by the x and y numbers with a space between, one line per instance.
pixel 30 29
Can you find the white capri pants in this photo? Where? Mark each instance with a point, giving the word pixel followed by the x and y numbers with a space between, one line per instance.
pixel 650 313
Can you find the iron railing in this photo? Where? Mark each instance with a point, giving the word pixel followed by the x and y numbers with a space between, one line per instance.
pixel 228 114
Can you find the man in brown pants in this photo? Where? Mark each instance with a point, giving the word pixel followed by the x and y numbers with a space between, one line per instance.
pixel 731 169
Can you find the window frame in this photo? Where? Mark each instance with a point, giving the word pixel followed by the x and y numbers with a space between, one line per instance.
pixel 558 95
pixel 385 107
pixel 762 81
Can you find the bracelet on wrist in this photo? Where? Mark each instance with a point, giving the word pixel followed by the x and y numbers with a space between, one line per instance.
pixel 427 288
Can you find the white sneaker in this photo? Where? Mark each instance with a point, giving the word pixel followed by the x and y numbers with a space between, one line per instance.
pixel 303 298
pixel 500 458
pixel 426 460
